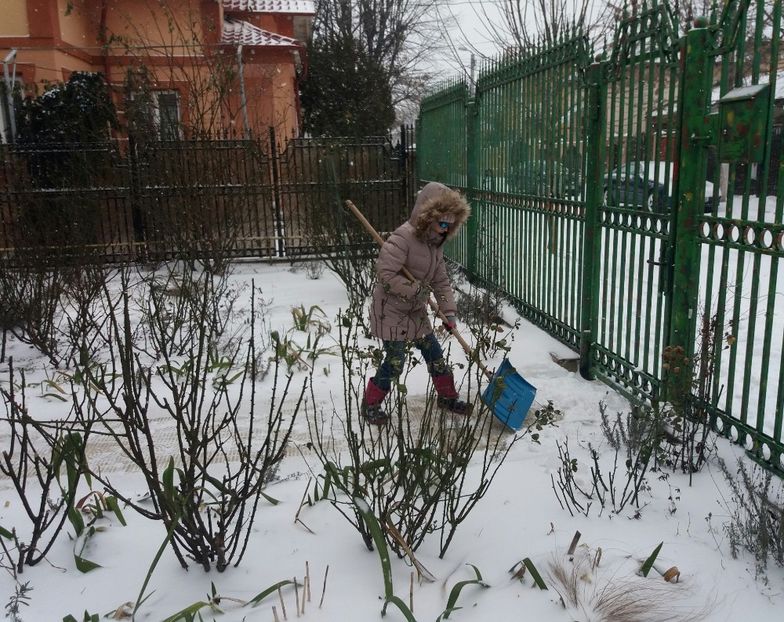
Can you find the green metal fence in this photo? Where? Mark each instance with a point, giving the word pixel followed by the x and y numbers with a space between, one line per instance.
pixel 631 204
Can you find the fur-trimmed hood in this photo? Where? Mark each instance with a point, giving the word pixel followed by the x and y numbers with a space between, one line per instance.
pixel 437 202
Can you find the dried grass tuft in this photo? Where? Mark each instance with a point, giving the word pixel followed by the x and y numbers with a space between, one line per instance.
pixel 592 597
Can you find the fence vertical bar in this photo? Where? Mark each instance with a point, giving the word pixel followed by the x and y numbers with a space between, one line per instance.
pixel 690 201
pixel 280 244
pixel 472 178
pixel 596 113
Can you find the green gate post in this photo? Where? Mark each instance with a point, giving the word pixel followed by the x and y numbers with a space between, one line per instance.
pixel 418 151
pixel 692 173
pixel 472 181
pixel 589 309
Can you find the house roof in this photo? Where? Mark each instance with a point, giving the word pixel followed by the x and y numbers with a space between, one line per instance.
pixel 292 7
pixel 237 32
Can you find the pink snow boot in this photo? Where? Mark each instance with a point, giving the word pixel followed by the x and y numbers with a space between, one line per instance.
pixel 371 404
pixel 448 397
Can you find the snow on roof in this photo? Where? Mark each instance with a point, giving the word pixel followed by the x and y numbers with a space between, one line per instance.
pixel 297 7
pixel 236 32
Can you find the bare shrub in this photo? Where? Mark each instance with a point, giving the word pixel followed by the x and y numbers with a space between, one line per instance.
pixel 672 433
pixel 635 439
pixel 480 309
pixel 687 440
pixel 421 475
pixel 756 512
pixel 51 307
pixel 347 250
pixel 314 270
pixel 29 304
pixel 178 365
pixel 33 461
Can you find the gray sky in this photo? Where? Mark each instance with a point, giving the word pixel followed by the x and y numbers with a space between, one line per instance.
pixel 466 32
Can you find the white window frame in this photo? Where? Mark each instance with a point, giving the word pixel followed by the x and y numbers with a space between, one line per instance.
pixel 157 115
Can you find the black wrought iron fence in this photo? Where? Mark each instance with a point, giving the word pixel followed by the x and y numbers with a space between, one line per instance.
pixel 117 201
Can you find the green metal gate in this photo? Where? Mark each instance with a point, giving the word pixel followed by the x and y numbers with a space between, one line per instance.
pixel 633 130
pixel 631 204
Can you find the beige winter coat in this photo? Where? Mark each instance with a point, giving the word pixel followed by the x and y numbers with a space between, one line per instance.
pixel 396 314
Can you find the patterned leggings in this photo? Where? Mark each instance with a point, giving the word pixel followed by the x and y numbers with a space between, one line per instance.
pixel 395 358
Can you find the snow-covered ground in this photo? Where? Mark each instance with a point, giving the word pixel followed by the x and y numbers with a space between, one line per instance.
pixel 518 518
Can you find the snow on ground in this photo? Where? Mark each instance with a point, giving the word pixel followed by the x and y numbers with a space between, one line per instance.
pixel 519 518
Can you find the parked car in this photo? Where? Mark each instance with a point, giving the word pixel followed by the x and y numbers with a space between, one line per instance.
pixel 645 185
pixel 544 178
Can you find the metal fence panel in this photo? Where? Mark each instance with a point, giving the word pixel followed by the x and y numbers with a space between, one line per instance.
pixel 639 78
pixel 117 201
pixel 740 246
pixel 671 239
pixel 442 147
pixel 527 160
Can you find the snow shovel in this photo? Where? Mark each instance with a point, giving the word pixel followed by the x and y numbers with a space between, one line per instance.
pixel 508 395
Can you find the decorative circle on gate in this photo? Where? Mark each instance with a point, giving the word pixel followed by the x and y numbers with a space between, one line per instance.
pixel 765 239
pixel 749 235
pixel 733 233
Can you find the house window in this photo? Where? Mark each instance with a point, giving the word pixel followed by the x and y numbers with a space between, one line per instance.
pixel 167 115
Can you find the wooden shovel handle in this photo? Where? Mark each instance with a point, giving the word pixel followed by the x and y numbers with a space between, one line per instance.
pixel 430 301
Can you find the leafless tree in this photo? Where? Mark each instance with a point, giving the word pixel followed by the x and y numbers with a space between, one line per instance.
pixel 393 37
pixel 512 24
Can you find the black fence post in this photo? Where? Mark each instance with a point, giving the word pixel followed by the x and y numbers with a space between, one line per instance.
pixel 403 169
pixel 280 242
pixel 139 237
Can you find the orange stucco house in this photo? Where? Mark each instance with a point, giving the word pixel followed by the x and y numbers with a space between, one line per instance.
pixel 212 66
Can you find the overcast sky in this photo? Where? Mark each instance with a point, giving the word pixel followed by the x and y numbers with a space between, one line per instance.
pixel 466 33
